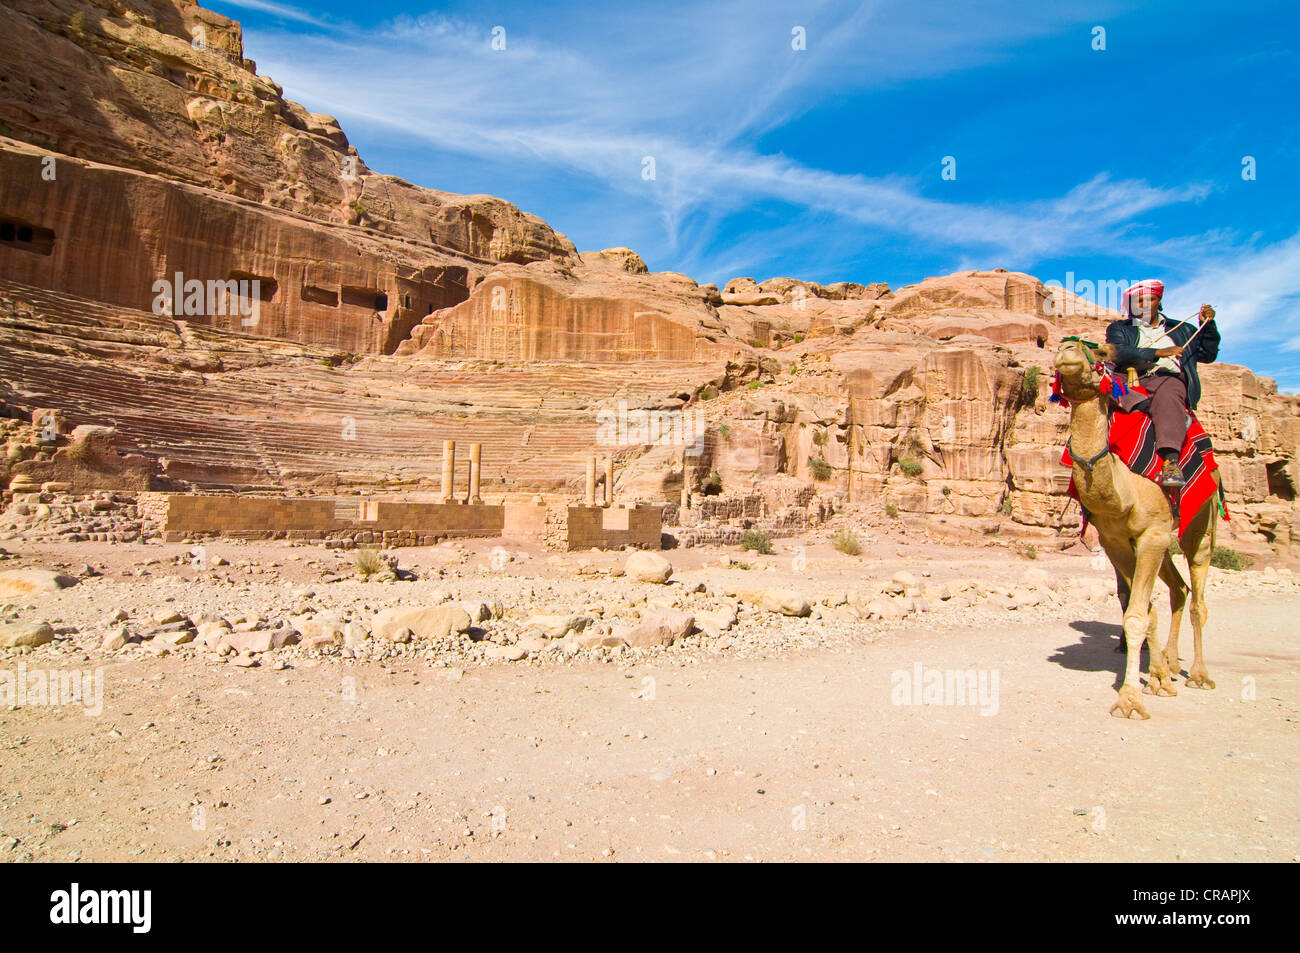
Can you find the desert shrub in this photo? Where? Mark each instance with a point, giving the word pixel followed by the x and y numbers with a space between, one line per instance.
pixel 707 393
pixel 819 438
pixel 821 470
pixel 910 467
pixel 758 540
pixel 1224 557
pixel 846 541
pixel 798 339
pixel 891 511
pixel 1006 507
pixel 368 561
pixel 1029 386
pixel 724 430
pixel 754 385
pixel 1028 550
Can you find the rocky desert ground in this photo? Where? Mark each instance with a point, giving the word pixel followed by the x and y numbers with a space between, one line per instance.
pixel 491 703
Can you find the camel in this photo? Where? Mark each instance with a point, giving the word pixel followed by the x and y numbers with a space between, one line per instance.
pixel 1135 525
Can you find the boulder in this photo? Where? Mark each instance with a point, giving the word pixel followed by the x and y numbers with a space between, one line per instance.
pixel 661 627
pixel 558 626
pixel 430 622
pixel 17 634
pixel 16 583
pixel 645 566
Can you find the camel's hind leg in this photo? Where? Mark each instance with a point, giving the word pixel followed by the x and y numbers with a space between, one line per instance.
pixel 1198 544
pixel 1177 601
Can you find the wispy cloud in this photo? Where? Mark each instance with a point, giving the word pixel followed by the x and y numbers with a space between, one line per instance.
pixel 279 10
pixel 588 107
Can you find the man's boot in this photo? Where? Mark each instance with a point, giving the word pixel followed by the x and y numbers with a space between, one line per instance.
pixel 1171 475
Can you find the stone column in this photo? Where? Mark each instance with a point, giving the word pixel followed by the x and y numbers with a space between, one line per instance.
pixel 591 481
pixel 609 481
pixel 475 468
pixel 448 471
pixel 686 484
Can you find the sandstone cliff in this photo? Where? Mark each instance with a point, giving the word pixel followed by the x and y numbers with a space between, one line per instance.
pixel 393 317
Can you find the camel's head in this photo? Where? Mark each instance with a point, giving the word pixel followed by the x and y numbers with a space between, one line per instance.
pixel 1076 362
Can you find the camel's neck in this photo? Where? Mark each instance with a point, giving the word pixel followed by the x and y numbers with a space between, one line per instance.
pixel 1089 435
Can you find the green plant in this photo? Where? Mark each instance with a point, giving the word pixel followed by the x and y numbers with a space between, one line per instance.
pixel 707 393
pixel 911 468
pixel 745 566
pixel 1028 550
pixel 820 437
pixel 368 561
pixel 759 540
pixel 724 430
pixel 798 339
pixel 1223 557
pixel 1006 507
pixel 846 541
pixel 821 470
pixel 891 511
pixel 1029 387
pixel 754 385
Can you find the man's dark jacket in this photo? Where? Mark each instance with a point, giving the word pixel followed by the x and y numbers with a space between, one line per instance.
pixel 1205 349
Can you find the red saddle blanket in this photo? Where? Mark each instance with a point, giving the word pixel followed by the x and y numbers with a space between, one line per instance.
pixel 1133 440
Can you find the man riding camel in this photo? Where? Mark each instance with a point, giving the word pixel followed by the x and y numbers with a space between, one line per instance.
pixel 1166 362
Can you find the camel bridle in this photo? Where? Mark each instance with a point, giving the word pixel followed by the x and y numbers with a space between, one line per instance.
pixel 1092 361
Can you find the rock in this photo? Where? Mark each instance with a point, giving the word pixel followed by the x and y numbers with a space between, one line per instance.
pixel 477 611
pixel 210 634
pixel 31 634
pixel 558 626
pixel 593 640
pixel 905 579
pixel 113 640
pixel 168 617
pixel 355 634
pixel 16 583
pixel 643 566
pixel 533 645
pixel 249 643
pixel 433 622
pixel 784 601
pixel 244 660
pixel 506 653
pixel 713 622
pixel 178 636
pixel 662 627
pixel 320 629
pixel 883 608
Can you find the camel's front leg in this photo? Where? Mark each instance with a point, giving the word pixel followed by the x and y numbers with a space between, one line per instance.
pixel 1149 552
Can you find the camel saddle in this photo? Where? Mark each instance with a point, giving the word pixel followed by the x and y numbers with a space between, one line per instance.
pixel 1133 440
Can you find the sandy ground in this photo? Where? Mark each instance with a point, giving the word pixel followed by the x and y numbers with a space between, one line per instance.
pixel 793 755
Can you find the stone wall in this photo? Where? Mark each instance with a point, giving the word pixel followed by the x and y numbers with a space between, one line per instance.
pixel 364 521
pixel 596 527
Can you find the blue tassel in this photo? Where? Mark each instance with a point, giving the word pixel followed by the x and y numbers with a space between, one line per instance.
pixel 1054 399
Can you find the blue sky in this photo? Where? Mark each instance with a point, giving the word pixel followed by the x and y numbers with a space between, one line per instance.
pixel 826 163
